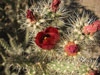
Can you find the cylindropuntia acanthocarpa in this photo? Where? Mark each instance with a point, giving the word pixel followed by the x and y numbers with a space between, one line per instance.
pixel 78 65
pixel 42 14
pixel 20 54
pixel 77 25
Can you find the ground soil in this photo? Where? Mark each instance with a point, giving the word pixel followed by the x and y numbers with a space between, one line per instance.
pixel 93 5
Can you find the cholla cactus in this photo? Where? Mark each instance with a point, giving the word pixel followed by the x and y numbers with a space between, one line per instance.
pixel 77 29
pixel 42 15
pixel 75 34
pixel 51 46
pixel 46 13
pixel 78 65
pixel 20 57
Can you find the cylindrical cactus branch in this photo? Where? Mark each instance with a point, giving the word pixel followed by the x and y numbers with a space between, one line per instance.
pixel 42 14
pixel 78 65
pixel 24 56
pixel 83 28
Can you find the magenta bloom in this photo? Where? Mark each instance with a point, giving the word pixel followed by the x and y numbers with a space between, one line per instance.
pixel 94 72
pixel 97 22
pixel 47 38
pixel 55 5
pixel 30 15
pixel 71 49
pixel 90 29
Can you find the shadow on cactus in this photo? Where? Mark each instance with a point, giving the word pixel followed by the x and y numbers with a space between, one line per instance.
pixel 20 57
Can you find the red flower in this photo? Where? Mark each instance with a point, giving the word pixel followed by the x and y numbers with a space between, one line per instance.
pixel 30 15
pixel 55 5
pixel 90 29
pixel 71 48
pixel 47 38
pixel 97 22
pixel 94 72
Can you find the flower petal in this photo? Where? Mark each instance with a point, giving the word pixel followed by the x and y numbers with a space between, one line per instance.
pixel 71 48
pixel 97 23
pixel 47 38
pixel 39 38
pixel 51 29
pixel 30 15
pixel 55 5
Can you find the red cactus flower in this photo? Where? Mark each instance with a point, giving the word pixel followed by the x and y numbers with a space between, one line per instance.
pixel 55 5
pixel 30 15
pixel 47 38
pixel 97 22
pixel 94 72
pixel 71 48
pixel 90 29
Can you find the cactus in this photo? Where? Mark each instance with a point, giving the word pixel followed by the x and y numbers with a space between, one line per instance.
pixel 51 23
pixel 76 29
pixel 44 16
pixel 20 55
pixel 78 65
